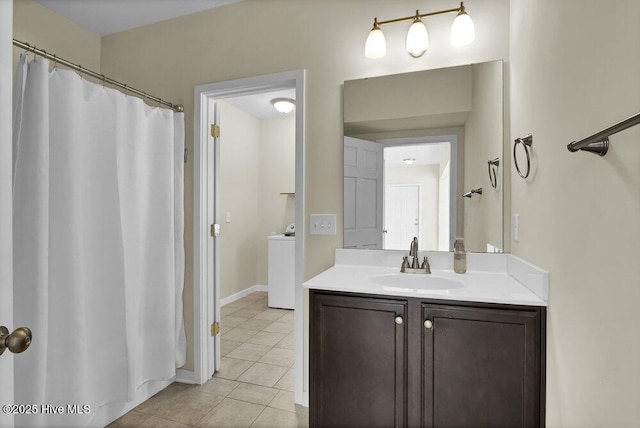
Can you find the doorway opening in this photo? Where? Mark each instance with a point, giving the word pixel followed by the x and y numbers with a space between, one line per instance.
pixel 373 172
pixel 417 195
pixel 236 208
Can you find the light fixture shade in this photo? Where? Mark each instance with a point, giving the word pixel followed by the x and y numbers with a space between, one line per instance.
pixel 462 30
pixel 417 39
pixel 283 105
pixel 376 45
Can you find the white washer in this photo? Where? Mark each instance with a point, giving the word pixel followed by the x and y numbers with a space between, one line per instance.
pixel 282 271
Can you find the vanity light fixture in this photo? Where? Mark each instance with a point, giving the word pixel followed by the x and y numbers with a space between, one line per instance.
pixel 409 161
pixel 462 33
pixel 376 45
pixel 283 105
pixel 417 37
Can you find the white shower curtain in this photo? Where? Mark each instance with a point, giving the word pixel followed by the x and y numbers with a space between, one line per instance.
pixel 98 242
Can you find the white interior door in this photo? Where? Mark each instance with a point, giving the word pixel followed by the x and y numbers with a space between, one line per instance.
pixel 363 181
pixel 402 215
pixel 6 230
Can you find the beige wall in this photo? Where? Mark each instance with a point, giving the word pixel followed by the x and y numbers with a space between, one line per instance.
pixel 399 102
pixel 239 164
pixel 39 26
pixel 276 175
pixel 575 69
pixel 483 141
pixel 257 37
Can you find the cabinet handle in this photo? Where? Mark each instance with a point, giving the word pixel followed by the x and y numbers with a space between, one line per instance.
pixel 399 319
pixel 428 324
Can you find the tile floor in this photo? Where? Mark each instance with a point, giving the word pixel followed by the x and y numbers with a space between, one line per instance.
pixel 254 386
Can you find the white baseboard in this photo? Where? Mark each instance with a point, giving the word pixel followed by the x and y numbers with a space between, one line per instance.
pixel 240 294
pixel 185 376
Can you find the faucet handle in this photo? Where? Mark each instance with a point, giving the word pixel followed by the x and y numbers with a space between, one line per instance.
pixel 405 264
pixel 425 265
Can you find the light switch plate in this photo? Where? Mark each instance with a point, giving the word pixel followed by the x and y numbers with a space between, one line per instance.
pixel 323 224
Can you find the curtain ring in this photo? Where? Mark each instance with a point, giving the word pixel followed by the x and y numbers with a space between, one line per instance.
pixel 527 142
pixel 80 71
pixel 104 79
pixel 493 174
pixel 55 61
pixel 33 50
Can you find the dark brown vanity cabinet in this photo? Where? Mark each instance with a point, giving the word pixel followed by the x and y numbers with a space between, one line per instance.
pixel 359 367
pixel 379 361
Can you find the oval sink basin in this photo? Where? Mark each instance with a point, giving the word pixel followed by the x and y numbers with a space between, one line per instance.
pixel 417 281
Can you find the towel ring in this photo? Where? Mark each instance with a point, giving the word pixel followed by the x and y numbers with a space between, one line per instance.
pixel 493 174
pixel 526 142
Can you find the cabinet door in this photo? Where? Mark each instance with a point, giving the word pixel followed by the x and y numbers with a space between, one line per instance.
pixel 358 362
pixel 481 367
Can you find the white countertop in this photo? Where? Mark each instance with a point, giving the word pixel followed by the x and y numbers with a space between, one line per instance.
pixel 491 278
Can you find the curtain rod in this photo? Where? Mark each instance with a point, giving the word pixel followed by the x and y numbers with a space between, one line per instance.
pixel 80 69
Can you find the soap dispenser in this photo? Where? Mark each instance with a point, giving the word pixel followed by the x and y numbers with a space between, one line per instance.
pixel 459 256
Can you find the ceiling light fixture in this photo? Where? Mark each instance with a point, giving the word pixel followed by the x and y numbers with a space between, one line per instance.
pixel 462 33
pixel 283 105
pixel 409 161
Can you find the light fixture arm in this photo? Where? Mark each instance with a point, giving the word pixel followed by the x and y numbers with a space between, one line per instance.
pixel 417 15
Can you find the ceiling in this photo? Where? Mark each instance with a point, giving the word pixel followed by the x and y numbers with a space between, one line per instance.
pixel 106 17
pixel 424 154
pixel 259 105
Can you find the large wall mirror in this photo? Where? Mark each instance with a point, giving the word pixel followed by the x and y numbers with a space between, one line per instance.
pixel 423 157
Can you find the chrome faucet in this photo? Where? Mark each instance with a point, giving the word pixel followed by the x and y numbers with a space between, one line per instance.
pixel 415 266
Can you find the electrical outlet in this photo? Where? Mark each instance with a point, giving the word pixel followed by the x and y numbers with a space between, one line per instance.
pixel 516 227
pixel 323 224
pixel 227 217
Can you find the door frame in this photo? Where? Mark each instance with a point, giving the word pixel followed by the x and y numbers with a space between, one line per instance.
pixel 206 279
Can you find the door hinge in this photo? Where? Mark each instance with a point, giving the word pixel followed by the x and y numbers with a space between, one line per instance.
pixel 215 230
pixel 215 328
pixel 215 131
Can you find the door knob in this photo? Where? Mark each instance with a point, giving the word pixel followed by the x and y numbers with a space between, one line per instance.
pixel 428 324
pixel 399 320
pixel 17 342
